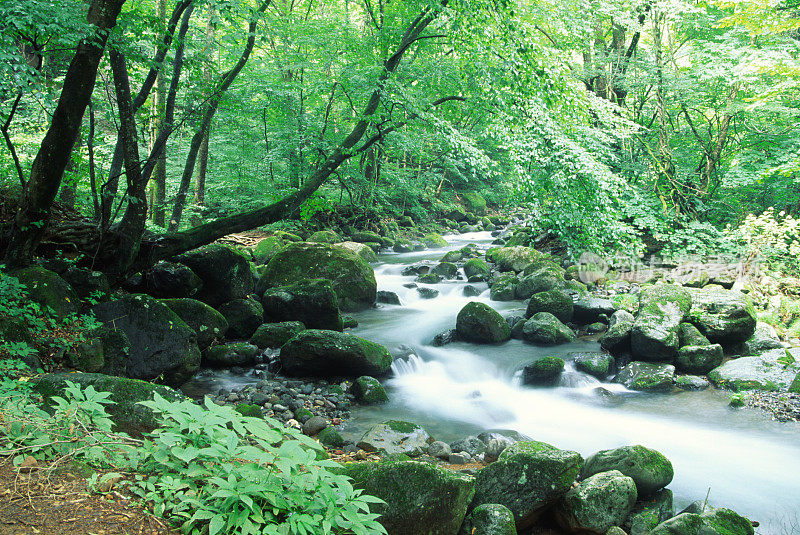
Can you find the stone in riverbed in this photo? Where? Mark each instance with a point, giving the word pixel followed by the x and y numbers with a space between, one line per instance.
pixel 527 480
pixel 489 519
pixel 772 371
pixel 544 371
pixel 598 503
pixel 272 335
pixel 330 353
pixel 649 469
pixel 228 355
pixel 654 336
pixel 689 335
pixel 420 498
pixel 394 437
pixel 555 302
pixel 243 316
pixel 477 270
pixel 471 445
pixel 480 323
pixel 544 328
pixel 589 309
pixel 515 258
pixel 713 522
pixel 311 301
pixel 650 512
pixel 698 359
pixel 503 287
pixel 763 339
pixel 617 338
pixel 598 365
pixel 649 376
pixel 388 298
pixel 724 316
pixel 369 390
pixel 446 270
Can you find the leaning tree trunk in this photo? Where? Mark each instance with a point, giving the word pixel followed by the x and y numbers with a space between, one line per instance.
pixel 54 152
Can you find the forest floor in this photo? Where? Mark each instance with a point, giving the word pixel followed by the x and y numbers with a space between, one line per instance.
pixel 58 502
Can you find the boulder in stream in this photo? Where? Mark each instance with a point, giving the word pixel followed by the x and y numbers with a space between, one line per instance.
pixel 489 519
pixel 662 308
pixel 773 370
pixel 698 359
pixel 394 437
pixel 712 522
pixel 480 323
pixel 311 301
pixel 544 328
pixel 324 353
pixel 725 317
pixel 544 371
pixel 649 376
pixel 556 302
pixel 276 334
pixel 243 317
pixel 598 365
pixel 650 470
pixel 598 503
pixel 617 339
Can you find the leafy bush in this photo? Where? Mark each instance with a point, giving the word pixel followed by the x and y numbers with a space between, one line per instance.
pixel 211 467
pixel 772 237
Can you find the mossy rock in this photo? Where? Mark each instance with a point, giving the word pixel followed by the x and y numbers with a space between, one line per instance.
pixel 366 236
pixel 162 344
pixel 245 409
pixel 361 249
pixel 689 335
pixel 795 386
pixel 544 328
pixel 477 270
pixel 87 356
pixel 480 323
pixel 172 280
pixel 527 482
pixel 49 290
pixel 420 499
pixel 600 502
pixel 489 519
pixel 526 446
pixel 330 353
pixel 403 245
pixel 116 349
pixel 243 317
pixel 698 359
pixel 88 283
pixel 324 236
pixel 207 322
pixel 313 302
pixel 273 335
pixel 351 276
pixel 330 438
pixel 662 309
pixel 394 437
pixel 770 371
pixel 555 302
pixel 430 278
pixel 228 355
pixel 452 256
pixel 434 240
pixel 267 248
pixel 714 522
pixel 474 202
pixel 369 390
pixel 544 371
pixel 224 270
pixel 598 365
pixel 650 512
pixel 723 316
pixel 446 270
pixel 503 287
pixel 128 415
pixel 617 339
pixel 650 470
pixel 544 278
pixel 647 376
pixel 515 258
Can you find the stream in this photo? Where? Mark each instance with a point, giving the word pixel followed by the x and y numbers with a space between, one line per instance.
pixel 738 458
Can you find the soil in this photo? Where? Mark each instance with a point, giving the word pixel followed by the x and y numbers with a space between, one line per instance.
pixel 57 502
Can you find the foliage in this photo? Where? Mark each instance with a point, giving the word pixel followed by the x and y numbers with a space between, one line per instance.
pixel 773 237
pixel 211 467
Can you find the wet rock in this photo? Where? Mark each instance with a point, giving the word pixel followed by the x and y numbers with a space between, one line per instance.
pixel 503 287
pixel 471 291
pixel 598 503
pixel 446 270
pixel 689 335
pixel 654 336
pixel 649 376
pixel 725 317
pixel 515 258
pixel 369 390
pixel 244 316
pixel 267 248
pixel 698 359
pixel 650 470
pixel 434 240
pixel 489 519
pixel 388 298
pixel 361 249
pixel 208 323
pixel 691 382
pixel 427 293
pixel 773 370
pixel 312 302
pixel 459 458
pixel 326 353
pixel 477 270
pixel 599 365
pixel 555 302
pixel 330 437
pixel 763 339
pixel 544 371
pixel 274 335
pixel 171 280
pixel 227 355
pixel 650 512
pixel 713 522
pixel 314 425
pixel 224 270
pixel 445 338
pixel 394 437
pixel 590 309
pixel 618 337
pixel 480 323
pixel 544 328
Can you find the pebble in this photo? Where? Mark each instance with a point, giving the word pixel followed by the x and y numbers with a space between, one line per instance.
pixel 783 406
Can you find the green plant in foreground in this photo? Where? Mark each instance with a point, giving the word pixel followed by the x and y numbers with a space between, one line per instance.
pixel 211 467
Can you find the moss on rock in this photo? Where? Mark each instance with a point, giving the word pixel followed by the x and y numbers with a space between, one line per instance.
pixel 478 322
pixel 330 353
pixel 207 322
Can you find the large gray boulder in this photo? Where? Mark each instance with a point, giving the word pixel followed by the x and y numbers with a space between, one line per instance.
pixel 763 339
pixel 617 339
pixel 712 522
pixel 556 302
pixel 598 503
pixel 649 376
pixel 207 322
pixel 351 276
pixel 724 316
pixel 544 328
pixel 649 469
pixel 662 308
pixel 395 437
pixel 224 270
pixel 49 290
pixel 420 498
pixel 527 478
pixel 311 301
pixel 162 344
pixel 773 370
pixel 698 359
pixel 170 280
pixel 331 354
pixel 480 323
pixel 489 519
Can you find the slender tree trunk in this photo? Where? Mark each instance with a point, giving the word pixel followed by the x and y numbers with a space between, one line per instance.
pixel 160 172
pixel 51 160
pixel 69 188
pixel 200 178
pixel 92 167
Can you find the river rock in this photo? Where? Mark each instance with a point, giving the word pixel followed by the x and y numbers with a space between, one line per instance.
pixel 361 249
pixel 655 332
pixel 544 371
pixel 649 469
pixel 366 236
pixel 171 280
pixel 527 480
pixel 311 301
pixel 714 522
pixel 446 270
pixel 439 449
pixel 555 302
pixel 477 270
pixel 471 445
pixel 126 412
pixel 394 437
pixel 650 376
pixel 599 502
pixel 48 289
pixel 489 519
pixel 698 359
pixel 763 339
pixel 773 370
pixel 420 498
pixel 273 335
pixel 590 309
pixel 224 270
pixel 352 277
pixel 87 283
pixel 689 335
pixel 617 339
pixel 243 316
pixel 324 236
pixel 229 355
pixel 539 277
pixel 691 382
pixel 208 323
pixel 267 248
pixel 650 512
pixel 598 365
pixel 387 297
pixel 480 323
pixel 330 353
pixel 544 328
pixel 515 258
pixel 724 316
pixel 161 343
pixel 503 287
pixel 369 390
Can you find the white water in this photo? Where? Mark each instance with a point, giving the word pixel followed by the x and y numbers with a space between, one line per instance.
pixel 749 463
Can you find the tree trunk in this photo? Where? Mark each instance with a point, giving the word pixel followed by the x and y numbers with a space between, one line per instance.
pixel 160 172
pixel 200 178
pixel 54 152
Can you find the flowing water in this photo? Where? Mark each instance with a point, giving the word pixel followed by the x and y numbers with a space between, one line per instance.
pixel 737 458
